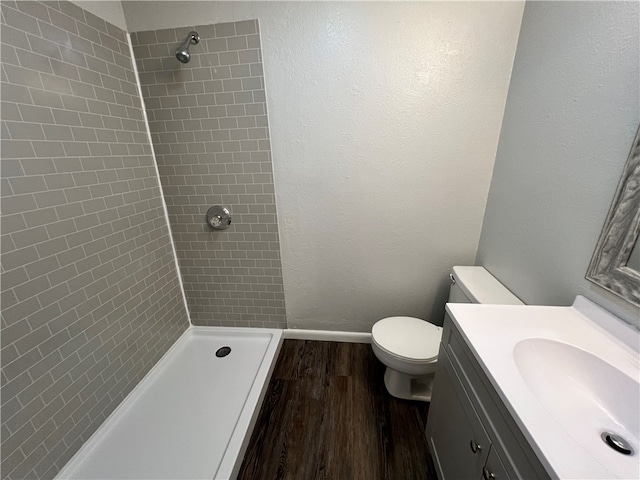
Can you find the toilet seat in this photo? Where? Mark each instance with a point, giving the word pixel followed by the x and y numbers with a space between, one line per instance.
pixel 408 339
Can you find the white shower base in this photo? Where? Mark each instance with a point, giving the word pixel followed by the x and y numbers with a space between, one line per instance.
pixel 191 417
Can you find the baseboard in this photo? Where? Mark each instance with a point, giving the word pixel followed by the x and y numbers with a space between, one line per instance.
pixel 327 335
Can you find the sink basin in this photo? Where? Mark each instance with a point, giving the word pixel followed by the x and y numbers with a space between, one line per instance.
pixel 567 375
pixel 586 395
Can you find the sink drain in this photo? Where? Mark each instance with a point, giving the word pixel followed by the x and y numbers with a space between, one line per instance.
pixel 616 442
pixel 223 352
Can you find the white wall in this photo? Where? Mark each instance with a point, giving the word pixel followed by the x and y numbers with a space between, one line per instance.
pixel 384 123
pixel 109 10
pixel 570 120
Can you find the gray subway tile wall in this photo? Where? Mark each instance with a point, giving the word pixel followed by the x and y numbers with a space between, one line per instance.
pixel 90 293
pixel 208 122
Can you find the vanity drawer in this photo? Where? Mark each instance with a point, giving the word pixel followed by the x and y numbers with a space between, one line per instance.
pixel 518 458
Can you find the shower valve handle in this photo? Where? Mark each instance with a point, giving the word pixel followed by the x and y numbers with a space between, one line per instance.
pixel 219 217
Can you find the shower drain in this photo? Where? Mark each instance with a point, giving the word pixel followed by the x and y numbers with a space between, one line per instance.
pixel 616 442
pixel 223 352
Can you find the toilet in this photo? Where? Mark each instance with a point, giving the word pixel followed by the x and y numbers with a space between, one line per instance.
pixel 408 346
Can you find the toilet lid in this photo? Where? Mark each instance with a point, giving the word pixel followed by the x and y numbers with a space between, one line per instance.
pixel 408 337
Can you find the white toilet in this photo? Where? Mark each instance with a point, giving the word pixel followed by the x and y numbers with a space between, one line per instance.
pixel 409 346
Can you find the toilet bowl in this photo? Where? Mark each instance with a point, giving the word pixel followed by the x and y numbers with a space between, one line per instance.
pixel 408 346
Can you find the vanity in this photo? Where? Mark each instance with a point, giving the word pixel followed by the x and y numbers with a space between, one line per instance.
pixel 534 392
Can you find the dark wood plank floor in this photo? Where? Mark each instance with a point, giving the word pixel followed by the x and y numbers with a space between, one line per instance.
pixel 327 415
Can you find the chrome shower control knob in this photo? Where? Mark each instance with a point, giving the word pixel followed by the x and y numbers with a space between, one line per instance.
pixel 219 217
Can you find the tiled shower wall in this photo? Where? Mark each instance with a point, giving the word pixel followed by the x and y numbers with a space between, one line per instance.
pixel 90 293
pixel 208 122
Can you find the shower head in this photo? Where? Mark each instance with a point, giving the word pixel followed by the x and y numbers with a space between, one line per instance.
pixel 182 52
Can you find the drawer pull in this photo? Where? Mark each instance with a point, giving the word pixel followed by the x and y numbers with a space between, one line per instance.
pixel 475 448
pixel 487 474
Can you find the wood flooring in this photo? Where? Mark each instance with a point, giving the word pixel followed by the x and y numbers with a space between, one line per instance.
pixel 327 415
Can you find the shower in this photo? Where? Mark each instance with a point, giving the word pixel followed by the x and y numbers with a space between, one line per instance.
pixel 182 52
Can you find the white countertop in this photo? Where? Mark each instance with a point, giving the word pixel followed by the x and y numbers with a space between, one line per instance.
pixel 565 446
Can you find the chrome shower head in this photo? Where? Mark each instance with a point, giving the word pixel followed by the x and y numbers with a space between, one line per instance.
pixel 182 52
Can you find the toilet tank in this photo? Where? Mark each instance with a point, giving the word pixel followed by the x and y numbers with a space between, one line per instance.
pixel 477 285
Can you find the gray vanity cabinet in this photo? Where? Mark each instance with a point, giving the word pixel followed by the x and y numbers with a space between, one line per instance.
pixel 470 433
pixel 458 441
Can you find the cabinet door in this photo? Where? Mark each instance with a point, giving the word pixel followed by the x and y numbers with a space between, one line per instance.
pixel 494 469
pixel 458 442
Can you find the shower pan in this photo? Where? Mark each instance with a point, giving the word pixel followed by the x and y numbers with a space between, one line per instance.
pixel 192 415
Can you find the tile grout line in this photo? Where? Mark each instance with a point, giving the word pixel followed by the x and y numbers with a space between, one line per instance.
pixel 155 165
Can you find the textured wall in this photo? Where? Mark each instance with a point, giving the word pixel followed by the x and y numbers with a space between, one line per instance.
pixel 384 120
pixel 570 119
pixel 90 293
pixel 208 123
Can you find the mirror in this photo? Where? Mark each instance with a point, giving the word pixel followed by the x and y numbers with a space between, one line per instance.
pixel 615 265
